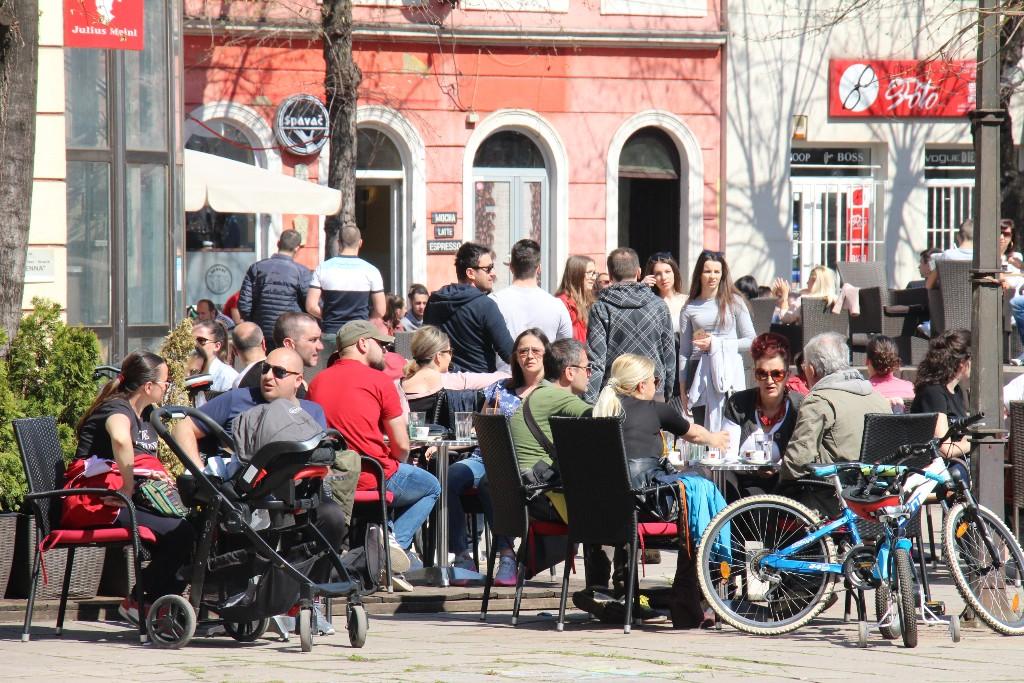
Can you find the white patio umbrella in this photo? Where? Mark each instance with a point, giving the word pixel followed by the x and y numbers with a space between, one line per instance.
pixel 231 186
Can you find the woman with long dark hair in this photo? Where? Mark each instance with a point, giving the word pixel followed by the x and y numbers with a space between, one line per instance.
pixel 117 450
pixel 577 293
pixel 663 276
pixel 937 385
pixel 531 365
pixel 714 328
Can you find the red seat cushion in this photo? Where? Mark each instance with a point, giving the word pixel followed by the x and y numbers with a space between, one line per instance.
pixel 657 529
pixel 374 497
pixel 542 528
pixel 61 537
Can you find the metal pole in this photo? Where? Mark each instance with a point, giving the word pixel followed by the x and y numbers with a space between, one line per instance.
pixel 989 441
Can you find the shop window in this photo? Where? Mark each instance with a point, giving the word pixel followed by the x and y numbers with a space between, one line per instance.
pixel 209 229
pixel 949 177
pixel 85 99
pixel 146 92
pixel 88 188
pixel 147 272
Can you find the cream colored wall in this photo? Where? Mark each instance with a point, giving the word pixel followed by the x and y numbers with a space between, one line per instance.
pixel 48 228
pixel 779 53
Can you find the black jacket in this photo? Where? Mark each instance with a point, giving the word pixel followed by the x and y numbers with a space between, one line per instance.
pixel 474 324
pixel 271 287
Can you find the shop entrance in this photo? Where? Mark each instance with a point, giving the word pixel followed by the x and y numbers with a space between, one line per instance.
pixel 380 180
pixel 649 194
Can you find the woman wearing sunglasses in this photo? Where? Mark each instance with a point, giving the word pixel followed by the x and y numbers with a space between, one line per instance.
pixel 765 413
pixel 714 328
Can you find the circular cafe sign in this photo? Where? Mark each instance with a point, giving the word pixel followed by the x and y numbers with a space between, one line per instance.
pixel 301 124
pixel 218 279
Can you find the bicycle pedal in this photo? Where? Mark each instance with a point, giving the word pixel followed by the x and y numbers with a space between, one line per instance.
pixel 936 606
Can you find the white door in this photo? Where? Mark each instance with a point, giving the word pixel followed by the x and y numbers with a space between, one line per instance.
pixel 834 219
pixel 510 205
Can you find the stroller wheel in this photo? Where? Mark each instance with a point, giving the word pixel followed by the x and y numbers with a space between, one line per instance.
pixel 358 625
pixel 246 631
pixel 305 628
pixel 171 622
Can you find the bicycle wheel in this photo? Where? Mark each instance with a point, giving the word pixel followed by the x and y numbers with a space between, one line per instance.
pixel 886 614
pixel 744 593
pixel 906 596
pixel 996 594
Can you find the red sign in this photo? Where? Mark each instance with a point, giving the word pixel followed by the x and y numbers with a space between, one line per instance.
pixel 877 88
pixel 858 232
pixel 104 24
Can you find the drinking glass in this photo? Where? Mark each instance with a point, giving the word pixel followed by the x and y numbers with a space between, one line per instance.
pixel 463 426
pixel 416 420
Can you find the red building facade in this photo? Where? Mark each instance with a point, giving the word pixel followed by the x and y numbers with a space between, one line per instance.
pixel 586 124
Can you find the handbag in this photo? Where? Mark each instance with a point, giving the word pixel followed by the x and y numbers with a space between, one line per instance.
pixel 159 497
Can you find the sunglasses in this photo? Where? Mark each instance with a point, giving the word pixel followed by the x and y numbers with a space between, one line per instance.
pixel 585 368
pixel 203 341
pixel 776 375
pixel 527 352
pixel 486 269
pixel 660 256
pixel 279 372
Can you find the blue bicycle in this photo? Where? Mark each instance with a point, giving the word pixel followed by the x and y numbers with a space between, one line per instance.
pixel 768 565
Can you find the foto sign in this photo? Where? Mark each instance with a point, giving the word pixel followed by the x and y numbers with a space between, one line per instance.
pixel 890 88
pixel 104 24
pixel 301 124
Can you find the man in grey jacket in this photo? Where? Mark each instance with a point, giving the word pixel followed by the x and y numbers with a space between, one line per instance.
pixel 628 317
pixel 830 425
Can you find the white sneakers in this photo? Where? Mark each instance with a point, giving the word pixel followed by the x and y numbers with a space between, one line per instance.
pixel 507 572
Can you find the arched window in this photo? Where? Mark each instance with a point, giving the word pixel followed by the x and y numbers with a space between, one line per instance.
pixel 649 193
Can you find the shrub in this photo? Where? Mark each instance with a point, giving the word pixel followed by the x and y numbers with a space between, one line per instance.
pixel 175 351
pixel 48 371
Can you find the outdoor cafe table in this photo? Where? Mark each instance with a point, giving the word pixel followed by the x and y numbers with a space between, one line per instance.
pixel 719 470
pixel 442 573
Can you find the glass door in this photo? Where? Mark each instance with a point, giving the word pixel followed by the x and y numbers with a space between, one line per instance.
pixel 511 204
pixel 834 220
pixel 378 215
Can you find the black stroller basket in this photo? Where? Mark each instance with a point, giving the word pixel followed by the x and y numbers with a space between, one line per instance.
pixel 244 574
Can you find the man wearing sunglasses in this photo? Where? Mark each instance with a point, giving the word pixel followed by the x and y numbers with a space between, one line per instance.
pixel 469 317
pixel 362 403
pixel 280 378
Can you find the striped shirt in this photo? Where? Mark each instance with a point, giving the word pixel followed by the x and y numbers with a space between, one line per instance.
pixel 345 284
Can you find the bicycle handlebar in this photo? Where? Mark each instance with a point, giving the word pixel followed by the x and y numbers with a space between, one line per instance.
pixel 958 428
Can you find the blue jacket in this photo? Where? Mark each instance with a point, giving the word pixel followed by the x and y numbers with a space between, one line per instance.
pixel 271 287
pixel 474 324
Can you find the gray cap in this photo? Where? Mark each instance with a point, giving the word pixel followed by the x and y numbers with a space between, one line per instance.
pixel 354 330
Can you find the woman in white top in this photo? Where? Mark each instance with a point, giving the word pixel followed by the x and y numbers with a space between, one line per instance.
pixel 662 275
pixel 714 328
pixel 821 283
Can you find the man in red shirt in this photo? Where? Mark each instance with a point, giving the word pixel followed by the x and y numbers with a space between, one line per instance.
pixel 362 403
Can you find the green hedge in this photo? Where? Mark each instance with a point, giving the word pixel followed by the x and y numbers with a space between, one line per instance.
pixel 47 371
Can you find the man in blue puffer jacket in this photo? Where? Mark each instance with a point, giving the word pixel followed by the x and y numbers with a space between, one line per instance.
pixel 274 286
pixel 468 316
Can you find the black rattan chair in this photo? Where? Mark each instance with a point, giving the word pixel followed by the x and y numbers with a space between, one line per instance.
pixel 600 499
pixel 1017 461
pixel 43 459
pixel 403 344
pixel 509 495
pixel 762 309
pixel 953 297
pixel 895 313
pixel 884 433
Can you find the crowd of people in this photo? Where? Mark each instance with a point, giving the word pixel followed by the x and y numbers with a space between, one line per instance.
pixel 631 341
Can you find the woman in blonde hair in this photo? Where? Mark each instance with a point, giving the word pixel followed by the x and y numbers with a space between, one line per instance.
pixel 629 393
pixel 821 284
pixel 577 293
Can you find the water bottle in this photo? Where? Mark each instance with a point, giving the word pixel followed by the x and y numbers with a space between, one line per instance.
pixel 766 446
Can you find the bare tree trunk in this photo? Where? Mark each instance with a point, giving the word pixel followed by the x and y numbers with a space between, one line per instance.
pixel 19 50
pixel 342 83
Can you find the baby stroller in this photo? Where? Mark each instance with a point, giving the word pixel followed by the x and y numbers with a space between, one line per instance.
pixel 247 575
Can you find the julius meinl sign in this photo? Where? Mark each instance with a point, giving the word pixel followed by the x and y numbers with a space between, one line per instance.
pixel 301 124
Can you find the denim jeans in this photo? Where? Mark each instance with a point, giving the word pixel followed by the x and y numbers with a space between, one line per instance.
pixel 1017 309
pixel 415 491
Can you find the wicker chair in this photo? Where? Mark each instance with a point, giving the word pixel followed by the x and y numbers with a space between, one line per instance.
pixel 1017 460
pixel 403 344
pixel 599 496
pixel 509 495
pixel 761 311
pixel 43 460
pixel 895 313
pixel 816 317
pixel 950 303
pixel 884 433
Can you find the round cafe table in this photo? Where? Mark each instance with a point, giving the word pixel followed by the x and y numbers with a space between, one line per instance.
pixel 442 573
pixel 717 471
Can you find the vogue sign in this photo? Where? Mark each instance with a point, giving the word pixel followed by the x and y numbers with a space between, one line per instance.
pixel 103 24
pixel 878 88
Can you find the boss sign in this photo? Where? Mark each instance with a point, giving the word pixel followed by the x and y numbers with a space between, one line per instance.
pixel 881 88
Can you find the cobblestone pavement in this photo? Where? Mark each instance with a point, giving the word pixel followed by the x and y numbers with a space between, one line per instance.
pixel 457 647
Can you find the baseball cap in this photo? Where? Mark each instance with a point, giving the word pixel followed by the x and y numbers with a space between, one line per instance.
pixel 355 330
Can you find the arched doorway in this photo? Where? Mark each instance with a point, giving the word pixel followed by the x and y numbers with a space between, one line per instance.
pixel 220 246
pixel 380 192
pixel 511 199
pixel 649 194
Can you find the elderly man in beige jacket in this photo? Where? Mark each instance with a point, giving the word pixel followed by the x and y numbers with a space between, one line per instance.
pixel 830 425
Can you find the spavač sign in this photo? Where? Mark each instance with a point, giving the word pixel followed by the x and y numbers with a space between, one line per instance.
pixel 301 125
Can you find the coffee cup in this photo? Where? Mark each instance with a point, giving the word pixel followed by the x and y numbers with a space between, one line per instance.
pixel 756 457
pixel 675 458
pixel 713 456
pixel 422 433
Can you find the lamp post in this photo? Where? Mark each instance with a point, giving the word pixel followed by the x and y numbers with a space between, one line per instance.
pixel 988 441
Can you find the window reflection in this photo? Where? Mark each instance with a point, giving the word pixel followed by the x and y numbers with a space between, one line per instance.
pixel 209 229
